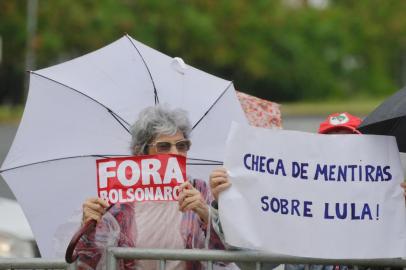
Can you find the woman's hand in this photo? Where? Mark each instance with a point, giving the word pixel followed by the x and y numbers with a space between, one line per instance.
pixel 94 208
pixel 219 181
pixel 191 199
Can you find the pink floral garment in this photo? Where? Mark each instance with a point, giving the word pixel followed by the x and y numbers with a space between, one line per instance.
pixel 260 112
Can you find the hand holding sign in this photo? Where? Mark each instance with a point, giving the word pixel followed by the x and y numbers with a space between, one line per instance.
pixel 94 208
pixel 190 199
pixel 219 181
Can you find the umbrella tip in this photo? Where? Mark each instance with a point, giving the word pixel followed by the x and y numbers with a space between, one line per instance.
pixel 179 65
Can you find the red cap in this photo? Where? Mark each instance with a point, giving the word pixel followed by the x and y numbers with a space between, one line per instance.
pixel 340 121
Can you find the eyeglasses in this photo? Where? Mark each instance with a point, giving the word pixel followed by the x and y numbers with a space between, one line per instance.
pixel 164 147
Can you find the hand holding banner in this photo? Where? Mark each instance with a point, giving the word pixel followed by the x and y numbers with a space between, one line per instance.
pixel 310 195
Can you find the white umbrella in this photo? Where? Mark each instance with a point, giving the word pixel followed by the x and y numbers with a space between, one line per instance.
pixel 82 109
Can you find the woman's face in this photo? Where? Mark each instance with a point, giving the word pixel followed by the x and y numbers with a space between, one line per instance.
pixel 169 144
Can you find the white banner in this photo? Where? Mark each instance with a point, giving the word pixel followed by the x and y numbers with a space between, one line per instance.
pixel 311 195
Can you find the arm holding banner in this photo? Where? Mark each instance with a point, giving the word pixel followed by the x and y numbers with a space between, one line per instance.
pixel 214 240
pixel 191 199
pixel 219 182
pixel 94 209
pixel 113 229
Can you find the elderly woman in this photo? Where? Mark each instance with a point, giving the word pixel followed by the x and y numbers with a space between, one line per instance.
pixel 153 224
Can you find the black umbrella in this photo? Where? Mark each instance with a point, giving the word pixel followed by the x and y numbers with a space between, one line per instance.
pixel 389 119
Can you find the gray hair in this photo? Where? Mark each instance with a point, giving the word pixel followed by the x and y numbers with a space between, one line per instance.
pixel 154 121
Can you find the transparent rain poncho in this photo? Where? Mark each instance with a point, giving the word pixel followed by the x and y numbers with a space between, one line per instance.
pixel 151 224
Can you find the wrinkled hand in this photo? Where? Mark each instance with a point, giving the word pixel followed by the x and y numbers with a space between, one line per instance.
pixel 219 181
pixel 191 199
pixel 94 208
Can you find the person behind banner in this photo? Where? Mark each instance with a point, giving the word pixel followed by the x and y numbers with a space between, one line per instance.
pixel 344 123
pixel 153 224
pixel 340 123
pixel 336 123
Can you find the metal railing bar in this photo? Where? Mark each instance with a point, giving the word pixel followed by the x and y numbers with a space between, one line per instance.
pixel 30 263
pixel 243 256
pixel 210 256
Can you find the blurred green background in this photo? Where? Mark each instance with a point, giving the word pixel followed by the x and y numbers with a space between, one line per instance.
pixel 311 52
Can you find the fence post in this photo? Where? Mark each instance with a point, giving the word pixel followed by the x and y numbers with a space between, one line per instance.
pixel 162 264
pixel 111 262
pixel 71 266
pixel 258 266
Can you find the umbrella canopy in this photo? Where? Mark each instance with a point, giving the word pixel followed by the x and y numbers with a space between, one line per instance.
pixel 389 118
pixel 82 109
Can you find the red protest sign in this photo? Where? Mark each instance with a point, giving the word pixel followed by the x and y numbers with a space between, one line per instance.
pixel 140 178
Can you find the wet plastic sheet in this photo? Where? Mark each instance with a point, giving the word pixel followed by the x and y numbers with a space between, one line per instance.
pixel 152 224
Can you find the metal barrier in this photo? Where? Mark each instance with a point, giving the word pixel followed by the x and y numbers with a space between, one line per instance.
pixel 257 258
pixel 34 263
pixel 211 256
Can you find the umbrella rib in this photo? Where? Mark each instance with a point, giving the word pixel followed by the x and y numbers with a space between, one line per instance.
pixel 207 160
pixel 211 107
pixel 57 159
pixel 79 92
pixel 117 119
pixel 214 162
pixel 204 164
pixel 149 71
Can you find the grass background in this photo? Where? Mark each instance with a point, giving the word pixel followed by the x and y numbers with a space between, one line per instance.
pixel 358 107
pixel 10 114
